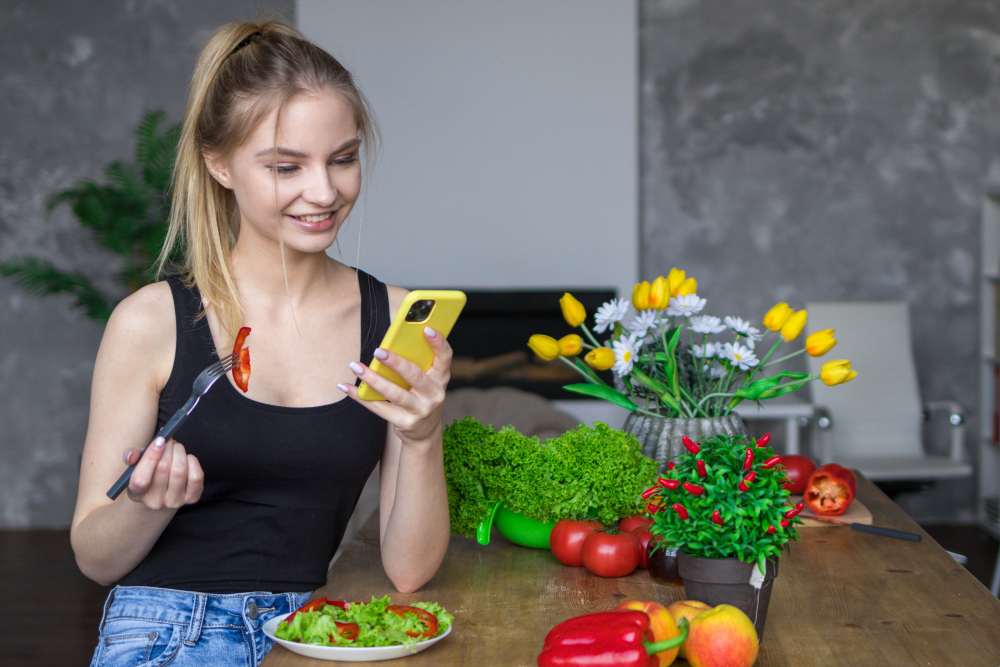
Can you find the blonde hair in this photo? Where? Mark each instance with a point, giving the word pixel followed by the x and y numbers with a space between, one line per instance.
pixel 244 72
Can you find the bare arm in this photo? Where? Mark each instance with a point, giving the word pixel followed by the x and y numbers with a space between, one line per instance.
pixel 413 498
pixel 109 537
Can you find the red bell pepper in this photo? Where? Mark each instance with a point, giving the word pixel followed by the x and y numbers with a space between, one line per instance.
pixel 619 638
pixel 428 618
pixel 346 630
pixel 316 605
pixel 831 490
pixel 241 372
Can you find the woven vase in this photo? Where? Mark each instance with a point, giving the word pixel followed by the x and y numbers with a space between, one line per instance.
pixel 661 436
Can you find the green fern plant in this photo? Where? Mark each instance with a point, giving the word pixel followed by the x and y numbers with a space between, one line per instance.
pixel 128 216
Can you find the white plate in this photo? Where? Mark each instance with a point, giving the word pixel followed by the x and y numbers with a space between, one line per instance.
pixel 349 653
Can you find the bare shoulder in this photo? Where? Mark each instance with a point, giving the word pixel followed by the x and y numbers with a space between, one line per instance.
pixel 396 296
pixel 143 324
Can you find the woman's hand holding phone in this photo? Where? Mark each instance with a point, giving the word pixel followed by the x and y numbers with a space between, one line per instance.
pixel 415 413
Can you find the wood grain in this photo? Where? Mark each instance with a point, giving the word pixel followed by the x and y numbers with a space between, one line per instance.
pixel 841 598
pixel 856 512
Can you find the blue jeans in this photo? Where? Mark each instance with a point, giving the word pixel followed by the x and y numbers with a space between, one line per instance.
pixel 148 627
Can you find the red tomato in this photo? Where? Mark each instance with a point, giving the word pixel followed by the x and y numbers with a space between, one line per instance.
pixel 798 469
pixel 608 555
pixel 566 540
pixel 630 523
pixel 644 536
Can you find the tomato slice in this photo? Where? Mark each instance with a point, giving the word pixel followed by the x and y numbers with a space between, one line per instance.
pixel 424 615
pixel 241 372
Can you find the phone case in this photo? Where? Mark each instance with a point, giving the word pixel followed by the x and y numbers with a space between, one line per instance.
pixel 407 338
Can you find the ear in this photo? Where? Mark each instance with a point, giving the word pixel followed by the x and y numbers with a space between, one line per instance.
pixel 219 170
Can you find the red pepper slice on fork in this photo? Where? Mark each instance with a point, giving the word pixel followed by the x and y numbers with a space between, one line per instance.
pixel 241 373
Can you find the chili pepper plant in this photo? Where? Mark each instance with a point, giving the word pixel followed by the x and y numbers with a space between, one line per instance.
pixel 725 498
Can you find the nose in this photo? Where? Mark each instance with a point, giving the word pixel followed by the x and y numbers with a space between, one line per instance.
pixel 321 190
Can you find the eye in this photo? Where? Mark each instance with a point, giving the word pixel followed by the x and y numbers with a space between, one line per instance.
pixel 346 159
pixel 282 168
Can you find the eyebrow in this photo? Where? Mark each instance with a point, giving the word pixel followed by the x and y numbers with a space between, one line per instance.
pixel 288 152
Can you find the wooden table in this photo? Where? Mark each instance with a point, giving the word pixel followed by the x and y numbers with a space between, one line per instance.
pixel 842 597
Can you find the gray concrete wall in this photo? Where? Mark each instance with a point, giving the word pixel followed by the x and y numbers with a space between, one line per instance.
pixel 799 150
pixel 75 78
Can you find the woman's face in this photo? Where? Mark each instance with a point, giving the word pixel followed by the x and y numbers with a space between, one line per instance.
pixel 317 175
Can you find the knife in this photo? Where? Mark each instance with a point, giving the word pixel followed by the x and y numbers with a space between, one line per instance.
pixel 865 528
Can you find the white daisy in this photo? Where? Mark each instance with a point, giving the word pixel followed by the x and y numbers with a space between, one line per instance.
pixel 739 325
pixel 740 355
pixel 624 355
pixel 611 312
pixel 706 351
pixel 753 335
pixel 716 372
pixel 686 305
pixel 642 323
pixel 706 324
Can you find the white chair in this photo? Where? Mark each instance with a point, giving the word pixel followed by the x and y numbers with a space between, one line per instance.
pixel 875 419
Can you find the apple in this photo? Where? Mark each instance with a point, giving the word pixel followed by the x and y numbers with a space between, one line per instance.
pixel 661 623
pixel 723 636
pixel 688 609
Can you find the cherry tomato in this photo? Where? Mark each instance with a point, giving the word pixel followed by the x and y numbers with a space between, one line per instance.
pixel 644 536
pixel 630 523
pixel 798 469
pixel 611 555
pixel 566 540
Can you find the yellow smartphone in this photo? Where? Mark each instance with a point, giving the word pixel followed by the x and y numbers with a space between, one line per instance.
pixel 437 309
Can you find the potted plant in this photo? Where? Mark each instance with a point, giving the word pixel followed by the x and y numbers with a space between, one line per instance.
pixel 723 504
pixel 673 372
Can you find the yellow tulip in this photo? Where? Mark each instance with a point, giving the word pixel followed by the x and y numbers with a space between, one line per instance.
pixel 659 293
pixel 793 325
pixel 675 278
pixel 820 343
pixel 602 358
pixel 570 346
pixel 837 372
pixel 572 310
pixel 689 286
pixel 640 296
pixel 544 346
pixel 777 316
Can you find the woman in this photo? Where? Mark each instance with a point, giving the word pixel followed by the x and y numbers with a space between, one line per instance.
pixel 236 520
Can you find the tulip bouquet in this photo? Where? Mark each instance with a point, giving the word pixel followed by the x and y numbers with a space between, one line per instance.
pixel 665 358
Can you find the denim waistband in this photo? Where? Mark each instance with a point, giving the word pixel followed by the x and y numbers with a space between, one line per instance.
pixel 197 610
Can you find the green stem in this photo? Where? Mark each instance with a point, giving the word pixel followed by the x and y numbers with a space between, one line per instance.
pixel 785 358
pixel 721 393
pixel 673 642
pixel 573 366
pixel 590 336
pixel 763 362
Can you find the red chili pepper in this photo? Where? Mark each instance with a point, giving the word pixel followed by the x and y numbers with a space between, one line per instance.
pixel 764 439
pixel 771 530
pixel 428 618
pixel 671 465
pixel 747 481
pixel 784 523
pixel 346 630
pixel 694 489
pixel 716 518
pixel 651 508
pixel 241 372
pixel 748 459
pixel 648 493
pixel 620 638
pixel 691 446
pixel 700 466
pixel 794 511
pixel 771 462
pixel 668 483
pixel 831 490
pixel 681 511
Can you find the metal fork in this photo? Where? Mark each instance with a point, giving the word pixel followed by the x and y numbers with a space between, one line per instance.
pixel 202 384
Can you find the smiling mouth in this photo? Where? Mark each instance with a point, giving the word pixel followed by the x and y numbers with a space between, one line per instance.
pixel 320 217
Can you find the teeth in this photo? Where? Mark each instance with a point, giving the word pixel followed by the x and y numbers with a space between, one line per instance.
pixel 314 218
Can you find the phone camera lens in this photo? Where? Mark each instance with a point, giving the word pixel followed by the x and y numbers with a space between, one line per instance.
pixel 420 310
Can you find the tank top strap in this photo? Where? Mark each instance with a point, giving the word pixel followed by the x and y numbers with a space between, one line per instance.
pixel 374 313
pixel 194 337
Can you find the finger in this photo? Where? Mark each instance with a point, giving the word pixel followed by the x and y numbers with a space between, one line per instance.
pixel 132 455
pixel 195 481
pixel 383 409
pixel 406 369
pixel 142 474
pixel 177 480
pixel 442 349
pixel 161 476
pixel 391 391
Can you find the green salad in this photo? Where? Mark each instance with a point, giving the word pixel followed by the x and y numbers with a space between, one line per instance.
pixel 378 623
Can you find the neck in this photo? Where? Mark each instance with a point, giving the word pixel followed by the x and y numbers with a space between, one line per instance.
pixel 261 274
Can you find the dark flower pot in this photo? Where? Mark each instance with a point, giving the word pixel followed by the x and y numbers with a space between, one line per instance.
pixel 716 581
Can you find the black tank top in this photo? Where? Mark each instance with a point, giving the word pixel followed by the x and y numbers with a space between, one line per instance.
pixel 280 483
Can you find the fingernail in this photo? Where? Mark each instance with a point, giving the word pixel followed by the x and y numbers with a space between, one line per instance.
pixel 357 368
pixel 127 456
pixel 158 443
pixel 343 387
pixel 430 332
pixel 381 354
